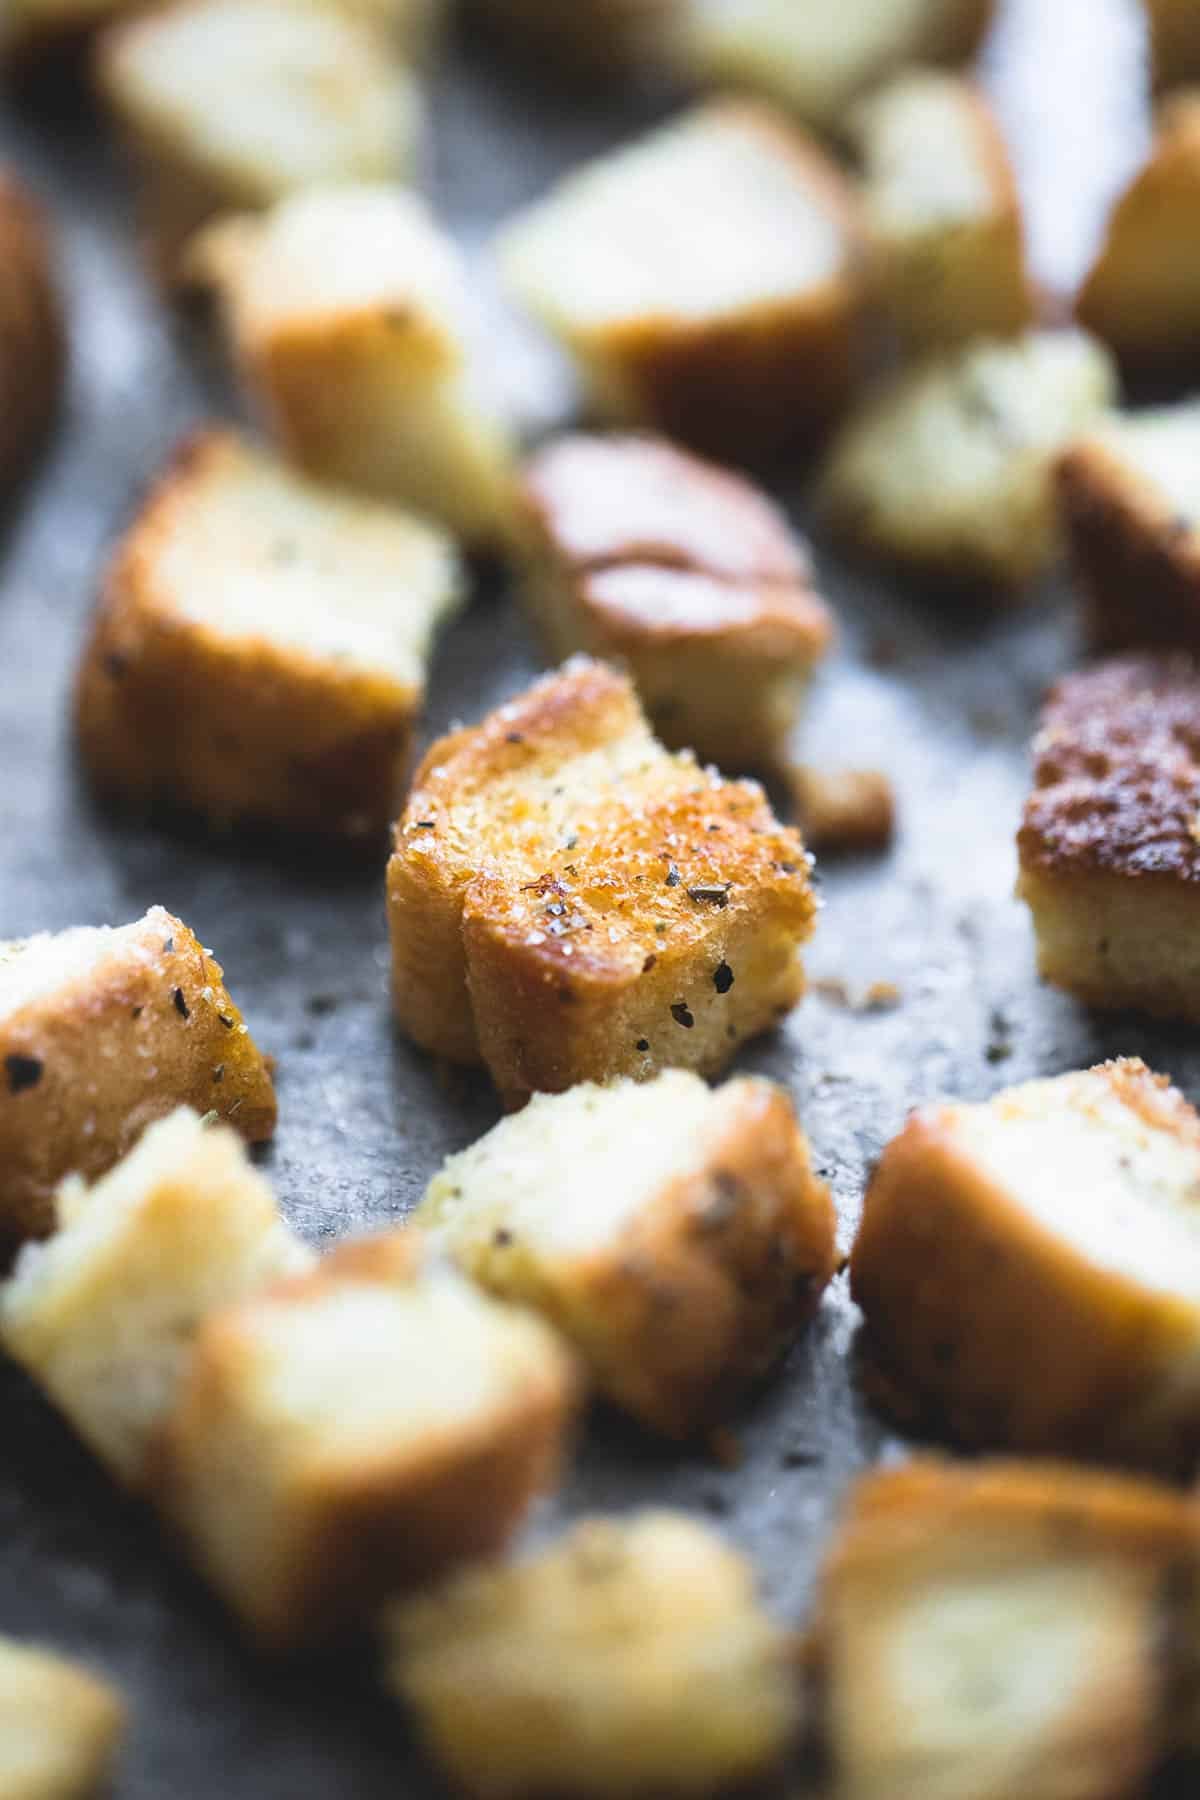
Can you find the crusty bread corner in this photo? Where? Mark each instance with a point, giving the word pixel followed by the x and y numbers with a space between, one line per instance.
pixel 1174 41
pixel 948 470
pixel 60 1726
pixel 32 335
pixel 354 1431
pixel 260 648
pixel 1003 1301
pixel 740 352
pixel 687 575
pixel 631 1658
pixel 101 1033
pixel 102 1316
pixel 569 902
pixel 991 1629
pixel 700 1241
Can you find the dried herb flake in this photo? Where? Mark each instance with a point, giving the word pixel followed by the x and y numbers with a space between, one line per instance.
pixel 682 1014
pixel 23 1072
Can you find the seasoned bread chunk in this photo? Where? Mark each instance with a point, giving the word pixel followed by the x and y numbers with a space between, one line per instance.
pixel 948 471
pixel 103 1314
pixel 1130 498
pixel 598 39
pixel 687 575
pixel 738 338
pixel 1143 293
pixel 569 902
pixel 942 212
pixel 696 1245
pixel 350 319
pixel 31 330
pixel 1174 40
pixel 59 1727
pixel 998 1629
pixel 844 810
pixel 261 645
pixel 1028 1269
pixel 103 1031
pixel 816 58
pixel 357 1429
pixel 632 1658
pixel 1110 843
pixel 235 103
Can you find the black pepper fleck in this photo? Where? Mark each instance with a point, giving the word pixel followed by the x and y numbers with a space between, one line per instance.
pixel 426 825
pixel 219 1072
pixel 513 737
pixel 716 895
pixel 502 1238
pixel 673 875
pixel 643 1044
pixel 682 1015
pixel 23 1072
pixel 169 946
pixel 115 665
pixel 723 978
pixel 226 1022
pixel 181 1005
pixel 135 1012
pixel 649 963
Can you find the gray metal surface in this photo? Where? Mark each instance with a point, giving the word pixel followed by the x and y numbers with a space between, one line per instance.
pixel 943 700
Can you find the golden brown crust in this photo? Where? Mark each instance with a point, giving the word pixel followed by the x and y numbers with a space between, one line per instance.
pixel 844 809
pixel 1174 41
pixel 596 41
pixel 88 1066
pixel 32 341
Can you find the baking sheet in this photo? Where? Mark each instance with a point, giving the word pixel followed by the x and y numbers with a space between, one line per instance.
pixel 944 702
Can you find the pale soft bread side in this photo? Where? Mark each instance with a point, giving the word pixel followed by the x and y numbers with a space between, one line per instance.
pixel 60 1726
pixel 599 40
pixel 30 27
pixel 738 338
pixel 942 210
pixel 631 1658
pixel 989 1630
pixel 103 1314
pixel 236 103
pixel 688 576
pixel 354 1431
pixel 696 1245
pixel 1109 845
pixel 102 1032
pixel 569 902
pixel 1027 1269
pixel 32 344
pixel 1174 27
pixel 1129 493
pixel 1142 295
pixel 260 647
pixel 817 59
pixel 948 470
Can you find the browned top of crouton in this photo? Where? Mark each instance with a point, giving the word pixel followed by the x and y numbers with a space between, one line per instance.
pixel 31 333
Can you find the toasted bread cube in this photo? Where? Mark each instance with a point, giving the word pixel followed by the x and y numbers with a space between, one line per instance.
pixel 357 1429
pixel 103 1031
pixel 998 1629
pixel 60 1726
pixel 31 330
pixel 261 645
pixel 1130 497
pixel 697 1244
pixel 631 1658
pixel 1174 41
pixel 942 211
pixel 1026 1269
pixel 687 575
pixel 1110 843
pixel 817 59
pixel 237 103
pixel 569 902
pixel 349 316
pixel 948 470
pixel 705 279
pixel 103 1314
pixel 844 810
pixel 597 39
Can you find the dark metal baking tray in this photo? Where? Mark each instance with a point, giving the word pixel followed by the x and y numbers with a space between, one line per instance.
pixel 942 698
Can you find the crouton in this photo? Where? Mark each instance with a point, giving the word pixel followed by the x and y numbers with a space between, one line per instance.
pixel 102 1031
pixel 59 1726
pixel 1110 843
pixel 261 646
pixel 1024 1269
pixel 349 316
pixel 633 1657
pixel 706 280
pixel 357 1429
pixel 236 103
pixel 844 809
pixel 997 1629
pixel 1130 502
pixel 1142 296
pixel 29 27
pixel 31 330
pixel 948 470
pixel 688 576
pixel 595 39
pixel 698 1249
pixel 942 212
pixel 817 59
pixel 569 902
pixel 103 1314
pixel 1174 41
